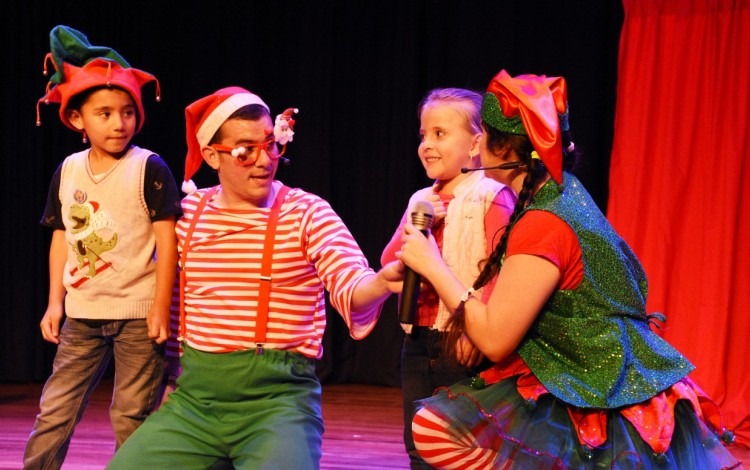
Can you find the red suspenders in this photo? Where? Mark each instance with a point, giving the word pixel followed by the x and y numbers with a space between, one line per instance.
pixel 265 269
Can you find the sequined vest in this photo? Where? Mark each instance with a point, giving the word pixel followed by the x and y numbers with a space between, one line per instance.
pixel 592 347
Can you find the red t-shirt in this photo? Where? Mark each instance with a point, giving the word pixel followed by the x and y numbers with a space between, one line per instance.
pixel 542 233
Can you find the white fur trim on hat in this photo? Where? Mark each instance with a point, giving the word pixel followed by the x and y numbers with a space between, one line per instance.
pixel 188 186
pixel 213 121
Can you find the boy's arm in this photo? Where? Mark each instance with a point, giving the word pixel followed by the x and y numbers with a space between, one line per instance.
pixel 166 269
pixel 58 252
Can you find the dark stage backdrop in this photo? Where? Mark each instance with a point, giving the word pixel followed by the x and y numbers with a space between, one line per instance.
pixel 356 70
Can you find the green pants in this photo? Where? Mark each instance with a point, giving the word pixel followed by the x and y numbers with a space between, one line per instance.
pixel 256 411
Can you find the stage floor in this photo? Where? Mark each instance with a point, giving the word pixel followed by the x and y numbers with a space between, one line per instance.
pixel 363 428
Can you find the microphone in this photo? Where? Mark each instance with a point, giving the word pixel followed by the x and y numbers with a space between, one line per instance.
pixel 504 166
pixel 421 218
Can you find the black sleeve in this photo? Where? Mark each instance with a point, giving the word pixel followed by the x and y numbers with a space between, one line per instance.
pixel 52 216
pixel 160 190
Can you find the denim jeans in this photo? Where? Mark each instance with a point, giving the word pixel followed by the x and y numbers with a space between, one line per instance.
pixel 424 367
pixel 84 352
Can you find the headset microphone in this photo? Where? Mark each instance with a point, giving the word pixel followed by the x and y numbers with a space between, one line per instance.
pixel 504 166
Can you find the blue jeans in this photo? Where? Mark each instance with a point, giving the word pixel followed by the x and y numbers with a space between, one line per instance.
pixel 424 367
pixel 83 355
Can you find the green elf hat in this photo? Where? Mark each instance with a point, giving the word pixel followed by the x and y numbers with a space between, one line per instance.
pixel 531 105
pixel 80 66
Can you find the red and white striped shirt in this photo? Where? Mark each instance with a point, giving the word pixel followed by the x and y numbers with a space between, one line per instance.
pixel 313 251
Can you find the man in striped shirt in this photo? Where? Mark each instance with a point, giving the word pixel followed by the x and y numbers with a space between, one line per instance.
pixel 256 257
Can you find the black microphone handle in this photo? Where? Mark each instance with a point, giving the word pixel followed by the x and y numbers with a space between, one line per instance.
pixel 409 295
pixel 407 308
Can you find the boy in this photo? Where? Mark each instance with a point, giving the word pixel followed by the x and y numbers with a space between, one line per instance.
pixel 113 252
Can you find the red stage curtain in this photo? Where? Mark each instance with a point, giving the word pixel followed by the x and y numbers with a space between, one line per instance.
pixel 680 181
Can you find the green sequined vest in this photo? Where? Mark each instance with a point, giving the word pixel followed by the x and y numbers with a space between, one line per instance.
pixel 592 347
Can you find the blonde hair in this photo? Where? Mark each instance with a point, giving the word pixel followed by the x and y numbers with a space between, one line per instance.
pixel 468 103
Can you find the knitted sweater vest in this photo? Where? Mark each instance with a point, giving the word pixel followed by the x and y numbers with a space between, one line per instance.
pixel 464 242
pixel 110 268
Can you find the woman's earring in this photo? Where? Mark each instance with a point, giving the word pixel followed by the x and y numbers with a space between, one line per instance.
pixel 84 140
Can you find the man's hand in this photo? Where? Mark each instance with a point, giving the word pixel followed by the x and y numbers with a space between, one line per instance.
pixel 393 274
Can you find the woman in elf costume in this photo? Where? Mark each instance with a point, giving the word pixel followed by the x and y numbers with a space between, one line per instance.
pixel 580 380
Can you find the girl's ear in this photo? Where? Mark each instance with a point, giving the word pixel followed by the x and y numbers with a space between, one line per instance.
pixel 476 140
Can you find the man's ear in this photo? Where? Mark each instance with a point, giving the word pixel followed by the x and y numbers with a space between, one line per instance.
pixel 211 157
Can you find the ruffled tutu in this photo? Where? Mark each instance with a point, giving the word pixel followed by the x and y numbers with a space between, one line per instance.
pixel 528 428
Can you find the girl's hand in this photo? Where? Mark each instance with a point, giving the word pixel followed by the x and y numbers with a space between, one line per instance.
pixel 467 354
pixel 437 206
pixel 418 252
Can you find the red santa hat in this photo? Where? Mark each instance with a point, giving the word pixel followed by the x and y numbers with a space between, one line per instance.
pixel 204 117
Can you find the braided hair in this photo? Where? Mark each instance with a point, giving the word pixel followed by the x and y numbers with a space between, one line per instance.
pixel 496 142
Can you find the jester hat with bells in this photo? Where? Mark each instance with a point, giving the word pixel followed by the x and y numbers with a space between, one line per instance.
pixel 532 105
pixel 80 66
pixel 204 117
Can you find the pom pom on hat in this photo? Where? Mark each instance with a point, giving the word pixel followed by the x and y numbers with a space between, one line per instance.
pixel 80 66
pixel 204 117
pixel 540 102
pixel 188 186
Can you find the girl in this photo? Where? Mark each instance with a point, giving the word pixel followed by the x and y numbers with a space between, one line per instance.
pixel 469 212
